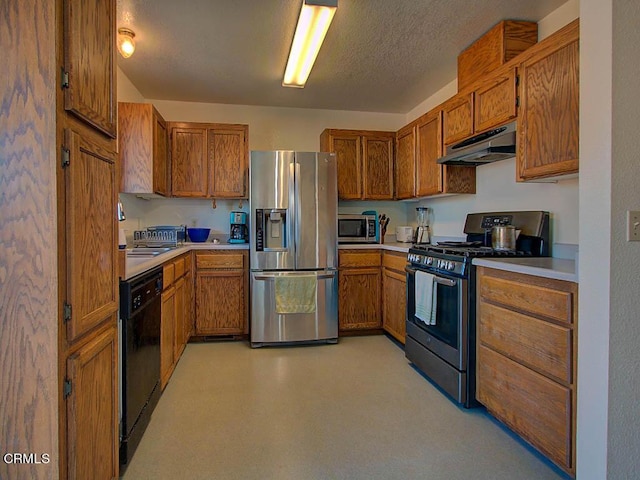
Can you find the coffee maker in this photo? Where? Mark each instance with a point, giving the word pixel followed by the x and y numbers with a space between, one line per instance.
pixel 239 232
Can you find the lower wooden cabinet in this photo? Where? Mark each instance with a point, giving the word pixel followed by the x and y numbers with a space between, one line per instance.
pixel 91 394
pixel 221 292
pixel 526 358
pixel 359 290
pixel 394 294
pixel 167 335
pixel 177 316
pixel 180 340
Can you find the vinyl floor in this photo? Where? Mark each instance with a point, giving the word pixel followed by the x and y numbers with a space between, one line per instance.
pixel 354 410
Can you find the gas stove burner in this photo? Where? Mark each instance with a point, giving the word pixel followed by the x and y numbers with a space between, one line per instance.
pixel 459 244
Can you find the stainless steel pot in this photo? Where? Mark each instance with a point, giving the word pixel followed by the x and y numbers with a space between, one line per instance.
pixel 504 237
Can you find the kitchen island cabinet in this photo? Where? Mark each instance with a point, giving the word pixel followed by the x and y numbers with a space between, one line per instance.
pixel 209 160
pixel 526 358
pixel 364 160
pixel 221 293
pixel 359 290
pixel 394 294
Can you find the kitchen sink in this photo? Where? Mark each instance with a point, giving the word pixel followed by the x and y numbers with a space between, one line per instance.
pixel 147 251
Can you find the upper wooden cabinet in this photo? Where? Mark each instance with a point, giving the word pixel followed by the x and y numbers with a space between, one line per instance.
pixel 89 63
pixel 548 122
pixel 457 115
pixel 143 142
pixel 495 101
pixel 418 174
pixel 405 171
pixel 364 160
pixel 209 160
pixel 486 105
pixel 91 290
pixel 503 42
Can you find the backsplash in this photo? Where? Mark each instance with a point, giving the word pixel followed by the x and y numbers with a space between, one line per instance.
pixel 192 212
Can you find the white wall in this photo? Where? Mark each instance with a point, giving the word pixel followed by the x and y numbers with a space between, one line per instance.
pixel 608 376
pixel 595 238
pixel 127 91
pixel 623 457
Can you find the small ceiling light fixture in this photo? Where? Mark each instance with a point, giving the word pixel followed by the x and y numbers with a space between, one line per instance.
pixel 313 23
pixel 126 45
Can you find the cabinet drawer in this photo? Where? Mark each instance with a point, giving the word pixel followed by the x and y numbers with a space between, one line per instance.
pixel 359 259
pixel 539 344
pixel 529 403
pixel 219 260
pixel 394 262
pixel 168 274
pixel 179 267
pixel 531 298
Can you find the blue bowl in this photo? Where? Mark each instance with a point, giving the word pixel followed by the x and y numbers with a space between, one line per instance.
pixel 198 234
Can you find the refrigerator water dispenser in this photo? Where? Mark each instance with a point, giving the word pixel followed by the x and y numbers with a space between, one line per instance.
pixel 271 229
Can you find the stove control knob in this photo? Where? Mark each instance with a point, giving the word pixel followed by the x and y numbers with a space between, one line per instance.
pixel 429 260
pixel 450 266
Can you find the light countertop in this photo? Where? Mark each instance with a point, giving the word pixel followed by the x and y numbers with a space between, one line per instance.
pixel 393 246
pixel 548 267
pixel 137 265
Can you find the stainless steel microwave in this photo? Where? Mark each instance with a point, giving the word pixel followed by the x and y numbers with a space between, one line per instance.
pixel 357 228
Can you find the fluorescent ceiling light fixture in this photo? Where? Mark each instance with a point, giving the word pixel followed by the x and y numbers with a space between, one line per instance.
pixel 313 23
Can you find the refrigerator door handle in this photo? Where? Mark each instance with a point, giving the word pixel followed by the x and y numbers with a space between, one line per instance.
pixel 321 276
pixel 297 210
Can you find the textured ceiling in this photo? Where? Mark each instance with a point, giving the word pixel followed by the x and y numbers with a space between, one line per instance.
pixel 378 56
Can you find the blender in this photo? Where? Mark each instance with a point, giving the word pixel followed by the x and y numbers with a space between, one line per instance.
pixel 422 231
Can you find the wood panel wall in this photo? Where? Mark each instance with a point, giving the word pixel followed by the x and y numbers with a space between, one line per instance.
pixel 28 241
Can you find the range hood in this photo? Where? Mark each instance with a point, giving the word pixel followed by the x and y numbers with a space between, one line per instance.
pixel 487 147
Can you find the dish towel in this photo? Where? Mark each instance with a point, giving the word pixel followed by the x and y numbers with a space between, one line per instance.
pixel 426 297
pixel 296 293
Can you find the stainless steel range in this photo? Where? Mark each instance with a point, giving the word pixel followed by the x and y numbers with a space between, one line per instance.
pixel 441 297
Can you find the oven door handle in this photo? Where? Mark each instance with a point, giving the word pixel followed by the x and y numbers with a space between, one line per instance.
pixel 440 280
pixel 445 281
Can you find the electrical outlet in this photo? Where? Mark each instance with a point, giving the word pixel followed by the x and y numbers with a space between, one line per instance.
pixel 633 226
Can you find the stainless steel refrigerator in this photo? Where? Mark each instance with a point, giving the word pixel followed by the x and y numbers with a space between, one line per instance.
pixel 294 277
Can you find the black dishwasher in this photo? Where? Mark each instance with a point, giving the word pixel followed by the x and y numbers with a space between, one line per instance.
pixel 140 315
